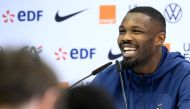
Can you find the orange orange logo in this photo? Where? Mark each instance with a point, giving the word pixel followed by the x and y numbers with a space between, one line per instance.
pixel 107 14
pixel 63 85
pixel 167 45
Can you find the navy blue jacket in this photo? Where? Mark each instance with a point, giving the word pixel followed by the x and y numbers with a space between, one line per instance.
pixel 167 88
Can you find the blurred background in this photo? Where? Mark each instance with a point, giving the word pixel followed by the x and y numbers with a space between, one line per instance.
pixel 77 36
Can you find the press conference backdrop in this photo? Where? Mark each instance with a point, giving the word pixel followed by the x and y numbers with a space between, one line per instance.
pixel 77 36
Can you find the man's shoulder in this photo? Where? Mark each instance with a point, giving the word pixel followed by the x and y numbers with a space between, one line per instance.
pixel 107 76
pixel 109 71
pixel 175 58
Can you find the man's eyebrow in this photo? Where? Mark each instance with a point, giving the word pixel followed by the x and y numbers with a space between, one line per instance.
pixel 138 27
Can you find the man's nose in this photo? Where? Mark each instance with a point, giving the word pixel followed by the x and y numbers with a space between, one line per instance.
pixel 127 36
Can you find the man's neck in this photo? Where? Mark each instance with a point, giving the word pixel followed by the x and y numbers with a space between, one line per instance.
pixel 149 67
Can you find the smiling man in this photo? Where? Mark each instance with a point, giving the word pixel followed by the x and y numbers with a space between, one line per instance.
pixel 153 77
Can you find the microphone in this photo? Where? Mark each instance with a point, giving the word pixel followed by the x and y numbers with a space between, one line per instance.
pixel 96 71
pixel 118 66
pixel 119 70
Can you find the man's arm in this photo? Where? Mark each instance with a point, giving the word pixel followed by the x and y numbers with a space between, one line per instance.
pixel 184 93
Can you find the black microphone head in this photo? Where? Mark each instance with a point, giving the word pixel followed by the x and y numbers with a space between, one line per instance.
pixel 101 68
pixel 118 66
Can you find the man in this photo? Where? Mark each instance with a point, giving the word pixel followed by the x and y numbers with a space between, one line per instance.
pixel 153 77
pixel 26 82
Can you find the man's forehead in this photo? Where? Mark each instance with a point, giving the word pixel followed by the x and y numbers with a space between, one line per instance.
pixel 137 15
pixel 135 20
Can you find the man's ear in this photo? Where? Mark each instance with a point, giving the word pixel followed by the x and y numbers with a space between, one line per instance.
pixel 160 38
pixel 50 98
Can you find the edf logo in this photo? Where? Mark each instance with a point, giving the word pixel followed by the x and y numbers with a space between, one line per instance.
pixel 75 53
pixel 22 16
pixel 30 15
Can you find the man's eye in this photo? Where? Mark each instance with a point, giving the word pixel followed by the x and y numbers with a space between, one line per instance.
pixel 122 31
pixel 136 31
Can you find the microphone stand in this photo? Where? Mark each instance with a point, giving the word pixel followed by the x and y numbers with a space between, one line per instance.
pixel 80 81
pixel 96 71
pixel 119 70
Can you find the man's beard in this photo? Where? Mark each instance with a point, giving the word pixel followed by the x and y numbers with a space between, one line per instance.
pixel 128 64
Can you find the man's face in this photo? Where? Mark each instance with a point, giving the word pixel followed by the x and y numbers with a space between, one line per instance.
pixel 137 39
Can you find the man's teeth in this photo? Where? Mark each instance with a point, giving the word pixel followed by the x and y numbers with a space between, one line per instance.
pixel 129 49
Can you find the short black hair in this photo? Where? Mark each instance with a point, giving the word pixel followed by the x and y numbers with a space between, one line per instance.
pixel 22 77
pixel 153 13
pixel 86 97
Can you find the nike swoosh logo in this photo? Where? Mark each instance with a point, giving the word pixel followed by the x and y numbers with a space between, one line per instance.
pixel 112 56
pixel 59 18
